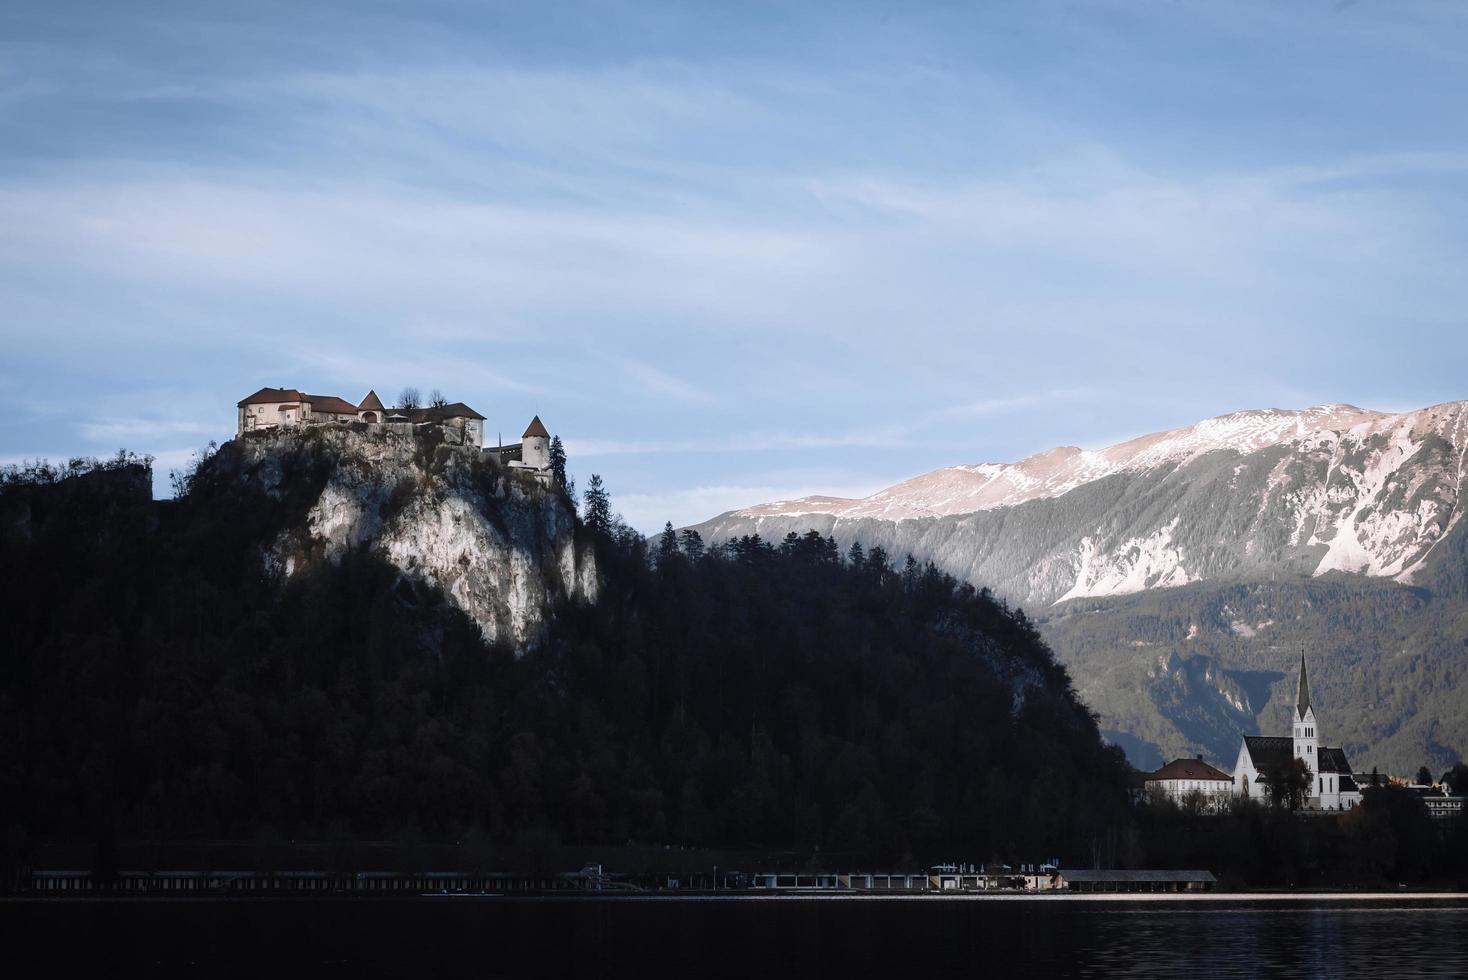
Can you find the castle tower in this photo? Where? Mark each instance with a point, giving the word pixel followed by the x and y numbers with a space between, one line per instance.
pixel 535 446
pixel 1306 739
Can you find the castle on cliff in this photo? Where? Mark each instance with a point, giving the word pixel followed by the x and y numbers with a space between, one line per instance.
pixel 271 408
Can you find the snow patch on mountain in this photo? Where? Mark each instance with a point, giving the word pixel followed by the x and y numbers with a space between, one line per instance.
pixel 1139 563
pixel 1334 488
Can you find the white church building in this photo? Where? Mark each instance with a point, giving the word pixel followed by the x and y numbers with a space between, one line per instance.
pixel 1331 785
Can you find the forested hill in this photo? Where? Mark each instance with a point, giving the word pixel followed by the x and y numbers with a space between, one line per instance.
pixel 166 674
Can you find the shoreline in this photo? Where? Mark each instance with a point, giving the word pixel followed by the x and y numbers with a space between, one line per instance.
pixel 1151 898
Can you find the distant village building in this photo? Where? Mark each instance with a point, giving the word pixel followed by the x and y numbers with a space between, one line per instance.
pixel 1182 777
pixel 1331 785
pixel 271 408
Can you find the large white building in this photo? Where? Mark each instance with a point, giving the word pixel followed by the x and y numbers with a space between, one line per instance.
pixel 1181 778
pixel 1331 784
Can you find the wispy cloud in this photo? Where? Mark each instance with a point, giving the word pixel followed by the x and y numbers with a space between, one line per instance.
pixel 690 505
pixel 874 240
pixel 139 431
pixel 751 442
pixel 653 380
pixel 984 407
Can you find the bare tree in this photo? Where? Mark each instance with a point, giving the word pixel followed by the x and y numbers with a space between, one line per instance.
pixel 436 399
pixel 409 398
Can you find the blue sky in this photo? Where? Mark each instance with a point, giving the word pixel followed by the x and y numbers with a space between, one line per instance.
pixel 730 252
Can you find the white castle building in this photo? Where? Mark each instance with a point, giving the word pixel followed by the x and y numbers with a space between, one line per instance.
pixel 1331 784
pixel 271 408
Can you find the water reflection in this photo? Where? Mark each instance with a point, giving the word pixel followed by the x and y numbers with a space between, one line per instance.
pixel 748 938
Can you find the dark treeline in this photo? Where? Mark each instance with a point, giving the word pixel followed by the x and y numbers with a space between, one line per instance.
pixel 155 683
pixel 825 708
pixel 1388 840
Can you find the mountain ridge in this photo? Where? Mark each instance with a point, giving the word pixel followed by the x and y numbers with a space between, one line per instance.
pixel 1360 455
pixel 1349 520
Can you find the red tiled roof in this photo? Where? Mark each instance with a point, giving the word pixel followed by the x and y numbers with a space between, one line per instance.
pixel 371 403
pixel 536 429
pixel 453 410
pixel 332 404
pixel 1190 769
pixel 266 396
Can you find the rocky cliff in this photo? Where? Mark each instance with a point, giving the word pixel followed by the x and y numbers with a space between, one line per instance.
pixel 500 547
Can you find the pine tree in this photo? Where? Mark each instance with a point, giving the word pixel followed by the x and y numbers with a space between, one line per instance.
pixel 558 463
pixel 667 544
pixel 855 556
pixel 597 507
pixel 692 544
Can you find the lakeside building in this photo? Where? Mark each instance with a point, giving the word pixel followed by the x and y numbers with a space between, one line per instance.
pixel 1439 802
pixel 1181 778
pixel 1134 881
pixel 1332 786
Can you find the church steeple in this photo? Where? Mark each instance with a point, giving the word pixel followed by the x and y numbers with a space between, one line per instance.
pixel 1302 690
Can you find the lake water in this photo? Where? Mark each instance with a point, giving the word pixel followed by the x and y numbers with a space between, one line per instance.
pixel 745 938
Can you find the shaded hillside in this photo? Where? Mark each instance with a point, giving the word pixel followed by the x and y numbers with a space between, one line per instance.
pixel 1181 671
pixel 1156 561
pixel 265 657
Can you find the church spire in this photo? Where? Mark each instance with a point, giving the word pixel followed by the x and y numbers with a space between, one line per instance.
pixel 1302 691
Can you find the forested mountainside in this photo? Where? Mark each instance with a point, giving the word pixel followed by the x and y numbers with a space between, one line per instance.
pixel 1237 540
pixel 333 633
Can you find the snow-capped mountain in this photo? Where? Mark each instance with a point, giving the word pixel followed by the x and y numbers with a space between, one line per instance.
pixel 1329 488
pixel 1179 575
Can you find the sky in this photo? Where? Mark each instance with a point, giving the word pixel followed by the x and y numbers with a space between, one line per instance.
pixel 729 252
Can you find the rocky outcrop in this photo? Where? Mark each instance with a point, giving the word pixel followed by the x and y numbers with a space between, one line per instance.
pixel 501 547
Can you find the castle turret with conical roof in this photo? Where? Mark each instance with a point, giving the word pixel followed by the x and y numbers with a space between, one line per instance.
pixel 535 445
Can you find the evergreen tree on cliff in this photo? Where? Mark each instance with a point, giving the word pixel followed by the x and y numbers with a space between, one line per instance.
pixel 558 463
pixel 597 506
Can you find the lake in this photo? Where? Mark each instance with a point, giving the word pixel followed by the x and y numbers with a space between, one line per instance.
pixel 741 937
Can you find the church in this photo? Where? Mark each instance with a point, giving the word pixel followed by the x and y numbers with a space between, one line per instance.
pixel 1332 787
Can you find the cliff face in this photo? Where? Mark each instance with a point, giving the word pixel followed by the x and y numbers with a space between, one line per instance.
pixel 499 546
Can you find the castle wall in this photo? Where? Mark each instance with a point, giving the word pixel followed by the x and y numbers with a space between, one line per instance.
pixel 268 415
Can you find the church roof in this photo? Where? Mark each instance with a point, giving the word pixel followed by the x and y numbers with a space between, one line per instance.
pixel 1266 751
pixel 1333 760
pixel 1190 769
pixel 535 429
pixel 371 403
pixel 267 396
pixel 1302 690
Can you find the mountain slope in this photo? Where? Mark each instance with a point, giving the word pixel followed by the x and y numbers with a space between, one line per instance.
pixel 1329 488
pixel 342 632
pixel 1282 497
